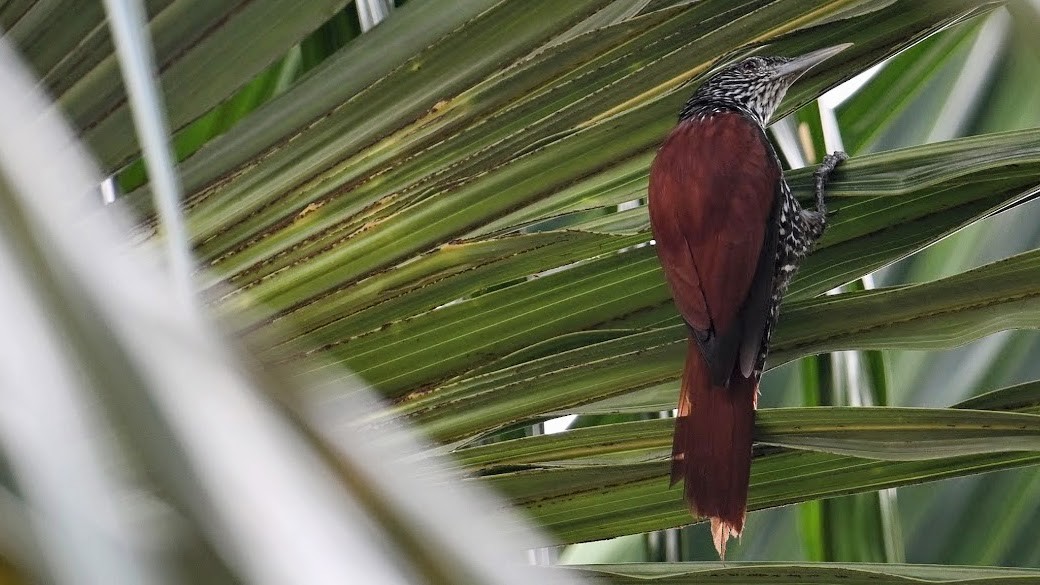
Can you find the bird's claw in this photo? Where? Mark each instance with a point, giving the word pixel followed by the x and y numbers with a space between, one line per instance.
pixel 823 174
pixel 830 162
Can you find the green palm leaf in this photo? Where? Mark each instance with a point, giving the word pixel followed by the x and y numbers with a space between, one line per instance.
pixel 452 206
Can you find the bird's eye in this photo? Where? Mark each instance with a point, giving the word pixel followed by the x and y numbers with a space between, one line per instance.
pixel 749 66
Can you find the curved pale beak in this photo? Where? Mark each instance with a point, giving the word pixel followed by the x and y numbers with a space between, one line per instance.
pixel 796 67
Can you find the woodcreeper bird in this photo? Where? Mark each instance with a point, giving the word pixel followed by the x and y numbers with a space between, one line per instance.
pixel 729 235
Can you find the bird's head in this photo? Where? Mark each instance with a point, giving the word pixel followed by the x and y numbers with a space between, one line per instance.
pixel 757 84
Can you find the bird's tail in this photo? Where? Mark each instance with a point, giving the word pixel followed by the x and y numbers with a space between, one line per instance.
pixel 711 450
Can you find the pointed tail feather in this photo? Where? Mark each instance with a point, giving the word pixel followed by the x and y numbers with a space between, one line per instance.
pixel 711 450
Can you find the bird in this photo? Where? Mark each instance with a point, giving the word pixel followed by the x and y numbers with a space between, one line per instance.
pixel 729 235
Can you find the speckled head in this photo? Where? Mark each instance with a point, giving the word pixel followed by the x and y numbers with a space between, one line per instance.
pixel 755 85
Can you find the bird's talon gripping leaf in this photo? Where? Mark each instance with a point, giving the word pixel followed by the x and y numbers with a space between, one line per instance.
pixel 823 175
pixel 835 158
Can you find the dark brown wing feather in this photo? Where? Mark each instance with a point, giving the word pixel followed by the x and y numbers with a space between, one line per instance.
pixel 713 204
pixel 713 187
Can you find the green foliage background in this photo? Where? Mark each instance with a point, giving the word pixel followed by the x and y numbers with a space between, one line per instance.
pixel 452 205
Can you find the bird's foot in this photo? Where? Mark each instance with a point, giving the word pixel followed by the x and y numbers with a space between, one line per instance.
pixel 822 175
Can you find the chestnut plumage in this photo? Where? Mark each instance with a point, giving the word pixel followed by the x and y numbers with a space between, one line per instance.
pixel 729 235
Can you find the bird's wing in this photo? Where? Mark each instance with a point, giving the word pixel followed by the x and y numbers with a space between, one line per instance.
pixel 713 190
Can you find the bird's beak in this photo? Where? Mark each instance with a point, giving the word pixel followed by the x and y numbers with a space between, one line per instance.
pixel 796 67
